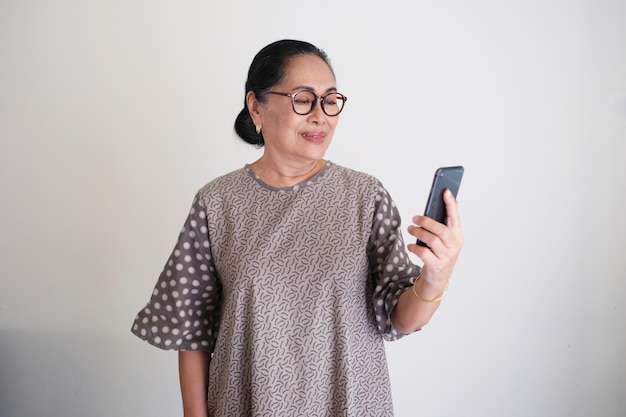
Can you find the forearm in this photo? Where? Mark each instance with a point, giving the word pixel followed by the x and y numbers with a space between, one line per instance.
pixel 412 312
pixel 416 306
pixel 193 369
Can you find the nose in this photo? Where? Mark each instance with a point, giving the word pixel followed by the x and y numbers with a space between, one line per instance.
pixel 317 114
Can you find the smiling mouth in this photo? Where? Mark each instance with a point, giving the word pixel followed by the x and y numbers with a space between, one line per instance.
pixel 314 136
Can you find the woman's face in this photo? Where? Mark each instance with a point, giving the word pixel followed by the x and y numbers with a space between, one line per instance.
pixel 289 137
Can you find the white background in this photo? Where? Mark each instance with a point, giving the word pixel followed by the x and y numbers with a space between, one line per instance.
pixel 113 113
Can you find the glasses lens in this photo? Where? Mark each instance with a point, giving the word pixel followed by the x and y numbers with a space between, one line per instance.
pixel 303 102
pixel 332 103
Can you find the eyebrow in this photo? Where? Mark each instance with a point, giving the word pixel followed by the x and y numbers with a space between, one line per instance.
pixel 311 89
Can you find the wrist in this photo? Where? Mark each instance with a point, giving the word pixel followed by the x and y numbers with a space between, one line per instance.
pixel 428 296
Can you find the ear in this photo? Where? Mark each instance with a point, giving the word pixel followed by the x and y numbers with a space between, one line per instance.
pixel 254 107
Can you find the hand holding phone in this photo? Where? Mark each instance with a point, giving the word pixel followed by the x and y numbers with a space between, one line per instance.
pixel 445 178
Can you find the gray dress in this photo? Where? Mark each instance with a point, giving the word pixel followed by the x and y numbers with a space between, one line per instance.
pixel 290 289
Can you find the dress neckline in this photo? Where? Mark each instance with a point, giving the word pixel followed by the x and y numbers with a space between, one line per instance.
pixel 292 188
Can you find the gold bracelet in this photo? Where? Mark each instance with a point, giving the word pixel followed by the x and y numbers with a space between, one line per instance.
pixel 434 300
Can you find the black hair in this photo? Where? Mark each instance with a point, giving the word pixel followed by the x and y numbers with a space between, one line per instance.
pixel 267 70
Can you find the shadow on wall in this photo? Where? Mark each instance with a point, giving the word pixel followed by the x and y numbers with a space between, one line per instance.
pixel 50 375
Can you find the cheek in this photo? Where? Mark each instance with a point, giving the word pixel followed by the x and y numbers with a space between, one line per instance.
pixel 288 120
pixel 332 123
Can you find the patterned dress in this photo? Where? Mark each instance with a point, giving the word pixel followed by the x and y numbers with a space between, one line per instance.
pixel 290 289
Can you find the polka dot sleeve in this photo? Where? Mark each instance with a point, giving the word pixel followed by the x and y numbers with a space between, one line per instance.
pixel 391 269
pixel 183 312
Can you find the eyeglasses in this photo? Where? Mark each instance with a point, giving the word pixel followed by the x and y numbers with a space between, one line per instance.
pixel 303 101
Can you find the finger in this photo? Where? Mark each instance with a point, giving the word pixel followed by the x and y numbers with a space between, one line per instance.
pixel 434 243
pixel 425 254
pixel 437 236
pixel 433 226
pixel 453 219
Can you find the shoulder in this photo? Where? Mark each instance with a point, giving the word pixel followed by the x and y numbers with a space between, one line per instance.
pixel 353 177
pixel 365 185
pixel 358 182
pixel 233 181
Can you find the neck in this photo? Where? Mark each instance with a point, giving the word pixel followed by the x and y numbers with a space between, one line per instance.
pixel 282 175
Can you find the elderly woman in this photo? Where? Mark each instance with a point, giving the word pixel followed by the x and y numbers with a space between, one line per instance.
pixel 290 272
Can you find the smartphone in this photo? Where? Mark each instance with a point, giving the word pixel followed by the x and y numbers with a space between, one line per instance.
pixel 445 178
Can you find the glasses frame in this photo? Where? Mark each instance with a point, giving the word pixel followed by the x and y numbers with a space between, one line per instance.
pixel 314 103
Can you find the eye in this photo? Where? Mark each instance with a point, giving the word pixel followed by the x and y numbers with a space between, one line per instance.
pixel 332 99
pixel 304 98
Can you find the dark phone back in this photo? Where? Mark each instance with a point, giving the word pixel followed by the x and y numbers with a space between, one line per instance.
pixel 447 177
